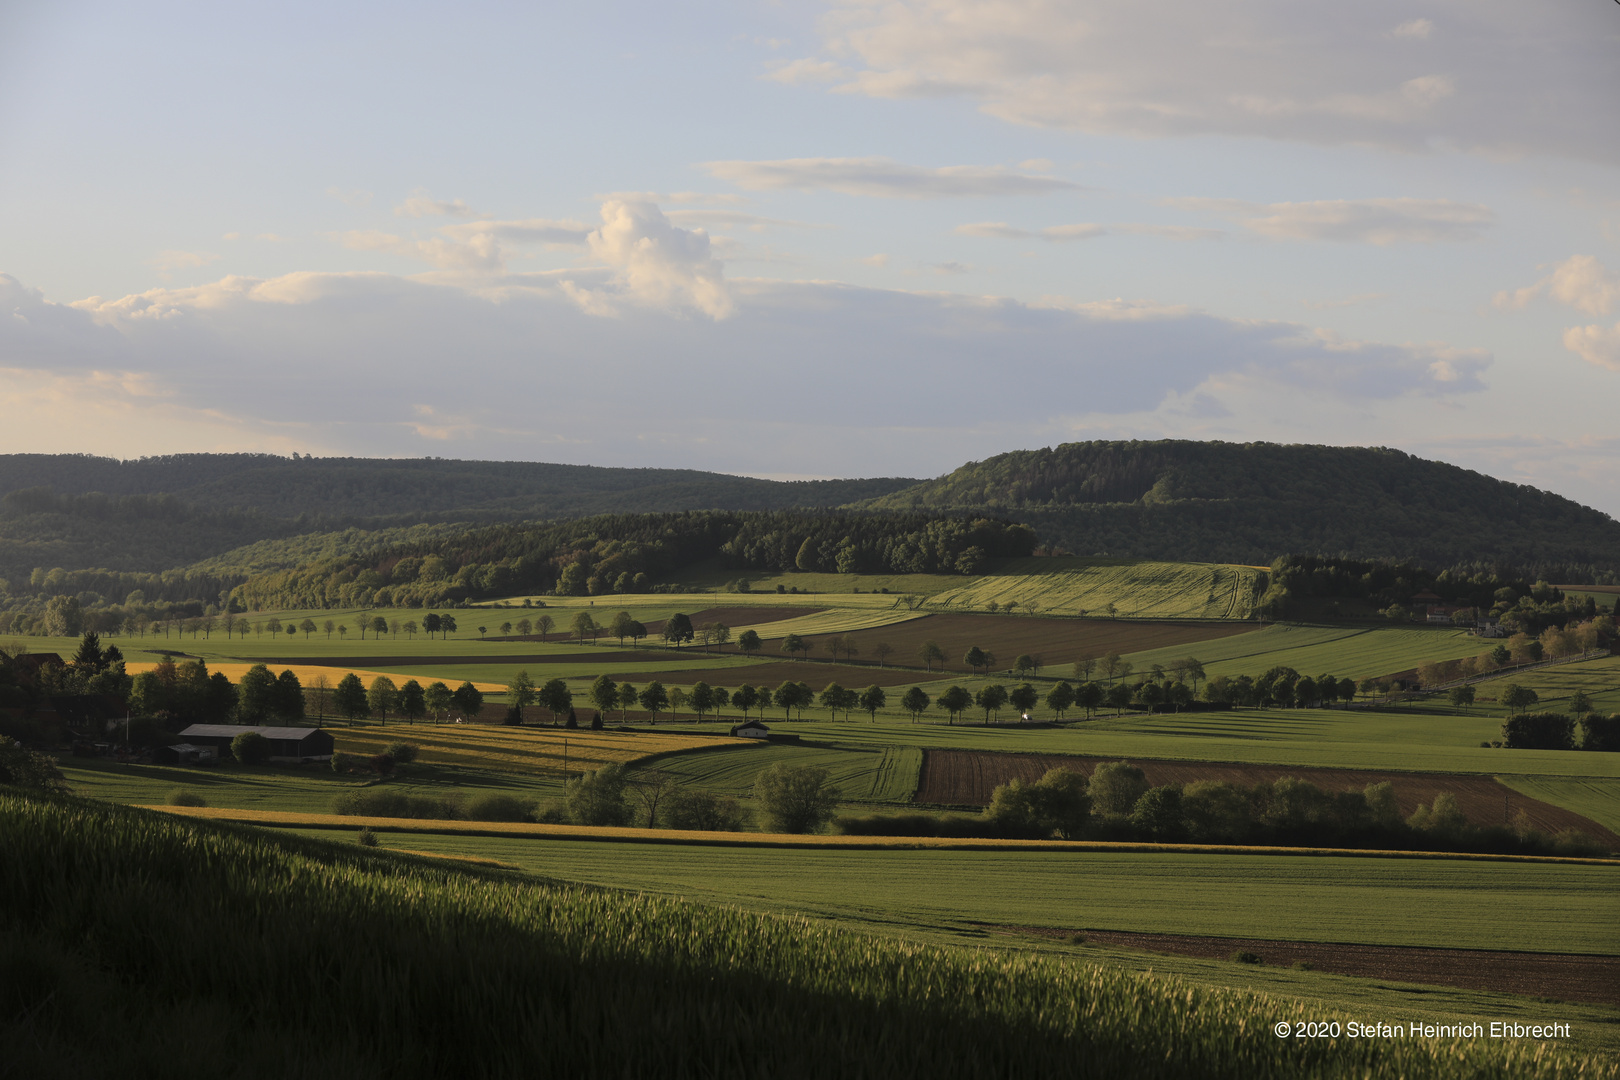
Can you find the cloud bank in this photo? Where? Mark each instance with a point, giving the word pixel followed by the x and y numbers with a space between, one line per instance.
pixel 1363 73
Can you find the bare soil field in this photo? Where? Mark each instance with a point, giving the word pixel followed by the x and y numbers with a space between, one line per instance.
pixel 1565 977
pixel 967 778
pixel 1059 642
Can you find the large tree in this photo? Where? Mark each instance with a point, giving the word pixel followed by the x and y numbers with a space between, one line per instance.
pixel 438 698
pixel 256 695
pixel 655 699
pixel 520 690
pixel 872 699
pixel 468 700
pixel 795 800
pixel 604 693
pixel 349 699
pixel 412 701
pixel 954 700
pixel 748 641
pixel 991 698
pixel 556 696
pixel 930 653
pixel 678 629
pixel 382 696
pixel 915 701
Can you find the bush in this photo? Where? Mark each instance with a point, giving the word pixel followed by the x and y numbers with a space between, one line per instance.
pixel 1539 731
pixel 1600 732
pixel 251 748
pixel 493 807
pixel 366 838
pixel 1115 787
pixel 1443 816
pixel 182 797
pixel 795 800
pixel 1242 957
pixel 24 768
pixel 692 808
pixel 1057 803
pixel 402 753
pixel 372 802
pixel 598 798
pixel 1303 965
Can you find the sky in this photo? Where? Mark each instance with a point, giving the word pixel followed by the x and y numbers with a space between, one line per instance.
pixel 853 238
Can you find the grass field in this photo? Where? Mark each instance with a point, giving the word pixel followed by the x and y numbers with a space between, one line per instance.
pixel 367 963
pixel 1593 798
pixel 1356 652
pixel 1526 907
pixel 863 774
pixel 1136 590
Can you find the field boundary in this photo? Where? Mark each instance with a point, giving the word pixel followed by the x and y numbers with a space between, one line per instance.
pixel 613 834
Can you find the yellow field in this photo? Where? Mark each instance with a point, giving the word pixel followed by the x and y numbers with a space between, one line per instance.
pixel 1139 590
pixel 307 672
pixel 682 836
pixel 517 749
pixel 835 621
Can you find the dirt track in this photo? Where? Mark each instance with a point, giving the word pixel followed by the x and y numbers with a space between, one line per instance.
pixel 967 778
pixel 1553 975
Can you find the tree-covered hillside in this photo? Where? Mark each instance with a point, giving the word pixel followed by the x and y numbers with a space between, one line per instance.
pixel 1249 502
pixel 153 514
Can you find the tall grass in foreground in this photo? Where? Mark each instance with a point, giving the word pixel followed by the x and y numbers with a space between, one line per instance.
pixel 135 944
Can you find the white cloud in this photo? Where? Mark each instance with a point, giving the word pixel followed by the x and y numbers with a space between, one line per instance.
pixel 1416 29
pixel 1365 221
pixel 1344 74
pixel 473 246
pixel 420 205
pixel 659 264
pixel 882 178
pixel 1084 231
pixel 751 222
pixel 1599 345
pixel 1581 281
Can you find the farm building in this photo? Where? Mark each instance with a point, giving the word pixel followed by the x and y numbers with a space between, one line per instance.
pixel 295 744
pixel 751 729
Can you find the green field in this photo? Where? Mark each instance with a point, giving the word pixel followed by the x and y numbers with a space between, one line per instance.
pixel 1120 589
pixel 1596 799
pixel 366 963
pixel 1414 902
pixel 1357 652
pixel 863 773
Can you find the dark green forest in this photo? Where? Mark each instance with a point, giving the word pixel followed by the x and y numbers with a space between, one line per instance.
pixel 1250 502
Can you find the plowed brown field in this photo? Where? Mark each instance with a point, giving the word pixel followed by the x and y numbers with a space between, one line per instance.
pixel 1553 975
pixel 967 778
pixel 1059 642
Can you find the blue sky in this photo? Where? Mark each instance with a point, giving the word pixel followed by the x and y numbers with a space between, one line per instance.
pixel 813 239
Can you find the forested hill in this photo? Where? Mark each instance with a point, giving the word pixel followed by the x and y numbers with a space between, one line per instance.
pixel 153 514
pixel 372 488
pixel 1248 502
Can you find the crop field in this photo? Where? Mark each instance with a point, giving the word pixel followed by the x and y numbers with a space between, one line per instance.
pixel 965 778
pixel 1058 641
pixel 306 673
pixel 1441 903
pixel 835 621
pixel 862 774
pixel 523 749
pixel 1344 651
pixel 1555 685
pixel 1598 800
pixel 551 963
pixel 1133 590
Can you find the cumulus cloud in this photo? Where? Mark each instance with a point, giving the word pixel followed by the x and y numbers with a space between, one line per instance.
pixel 659 264
pixel 1364 73
pixel 883 178
pixel 1364 221
pixel 474 246
pixel 1581 281
pixel 1599 345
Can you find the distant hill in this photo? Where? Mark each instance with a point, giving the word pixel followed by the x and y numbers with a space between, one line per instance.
pixel 1249 502
pixel 77 511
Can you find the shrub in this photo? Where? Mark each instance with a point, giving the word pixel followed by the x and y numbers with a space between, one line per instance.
pixel 1115 787
pixel 1442 816
pixel 495 807
pixel 182 797
pixel 1600 732
pixel 24 768
pixel 366 838
pixel 1539 731
pixel 372 802
pixel 1303 965
pixel 382 764
pixel 251 748
pixel 402 753
pixel 691 808
pixel 795 800
pixel 598 798
pixel 1242 957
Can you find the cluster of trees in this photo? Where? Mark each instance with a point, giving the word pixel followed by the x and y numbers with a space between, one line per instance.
pixel 1558 731
pixel 1553 643
pixel 1116 802
pixel 631 553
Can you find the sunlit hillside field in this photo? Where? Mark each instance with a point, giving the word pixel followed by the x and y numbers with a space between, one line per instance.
pixel 483 974
pixel 1356 652
pixel 1597 799
pixel 1140 590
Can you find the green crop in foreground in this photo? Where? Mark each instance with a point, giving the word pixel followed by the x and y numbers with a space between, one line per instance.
pixel 262 956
